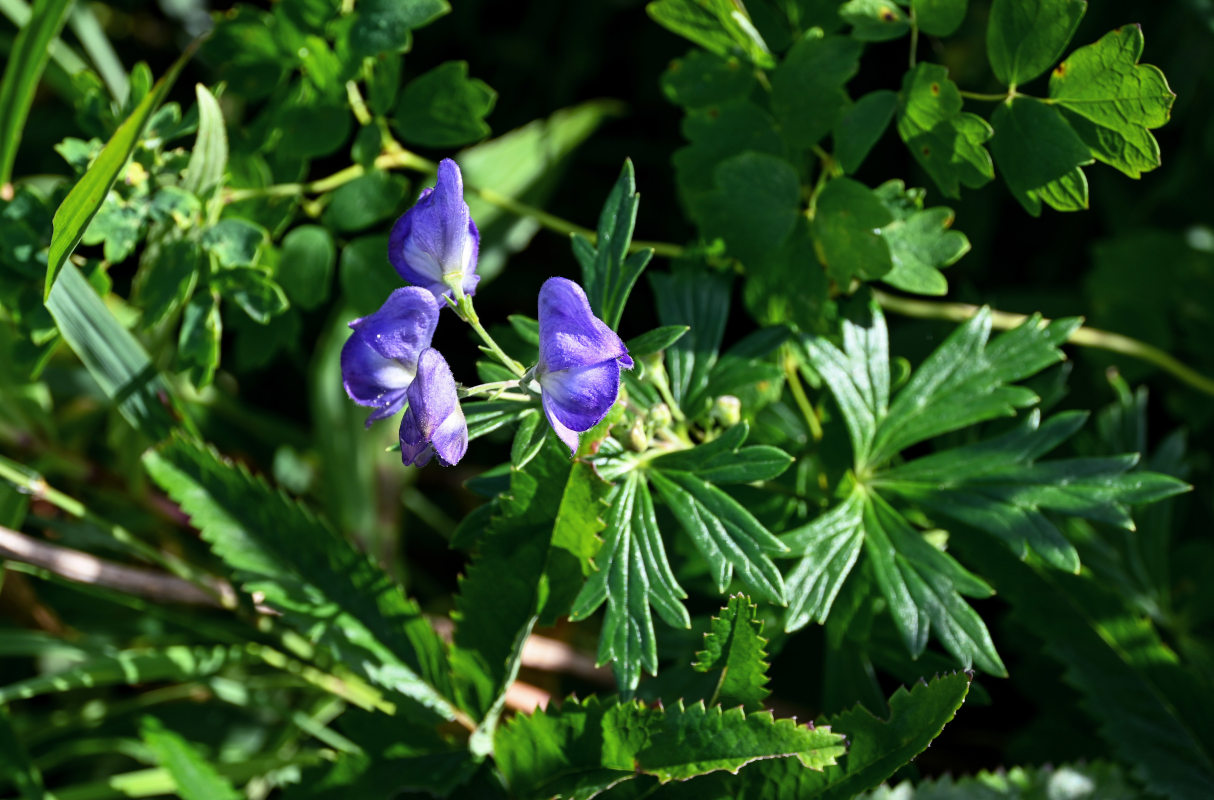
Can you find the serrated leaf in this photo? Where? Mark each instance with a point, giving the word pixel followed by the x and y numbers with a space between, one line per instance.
pixel 608 271
pixel 946 141
pixel 718 26
pixel 875 20
pixel 1039 156
pixel 82 202
pixel 829 547
pixel 1094 780
pixel 1112 101
pixel 328 591
pixel 23 69
pixel 209 158
pixel 194 776
pixel 444 107
pixel 1154 712
pixel 920 242
pixel 725 533
pixel 631 574
pixel 1025 37
pixel 998 486
pixel 582 749
pixel 734 646
pixel 861 126
pixel 575 539
pixel 846 229
pixel 938 17
pixel 807 93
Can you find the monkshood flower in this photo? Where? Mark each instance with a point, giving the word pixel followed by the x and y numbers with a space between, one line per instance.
pixel 434 244
pixel 433 422
pixel 580 361
pixel 379 360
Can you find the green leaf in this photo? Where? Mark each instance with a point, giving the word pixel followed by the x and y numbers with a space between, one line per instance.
pixel 938 17
pixel 295 563
pixel 365 275
pixel 924 586
pixel 575 537
pixel 718 26
pixel 444 107
pixel 725 533
pixel 875 20
pixel 846 229
pixel 632 574
pixel 655 341
pixel 365 201
pixel 194 776
pixel 176 663
pixel 876 749
pixel 1039 155
pixel 1025 37
pixel 115 359
pixel 734 647
pixel 1112 101
pixel 754 205
pixel 701 79
pixel 699 301
pixel 23 69
pixel 254 291
pixel 1155 713
pixel 608 271
pixel 235 242
pixel 118 226
pixel 82 202
pixel 946 141
pixel 209 158
pixel 861 126
pixel 920 242
pixel 584 748
pixel 198 341
pixel 305 266
pixel 1093 780
pixel 16 767
pixel 385 26
pixel 998 486
pixel 829 546
pixel 168 272
pixel 807 93
pixel 724 460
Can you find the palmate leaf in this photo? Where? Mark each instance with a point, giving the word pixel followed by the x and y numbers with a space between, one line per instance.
pixel 998 486
pixel 324 588
pixel 1096 780
pixel 632 575
pixel 608 271
pixel 1156 713
pixel 584 748
pixel 876 748
pixel 725 460
pixel 830 546
pixel 734 651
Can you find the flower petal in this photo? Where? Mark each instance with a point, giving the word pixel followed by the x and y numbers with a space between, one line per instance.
pixel 580 397
pixel 437 237
pixel 434 421
pixel 570 334
pixel 450 440
pixel 369 378
pixel 403 326
pixel 414 449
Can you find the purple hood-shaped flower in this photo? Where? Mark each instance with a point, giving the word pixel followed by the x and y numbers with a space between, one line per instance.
pixel 434 421
pixel 379 361
pixel 580 361
pixel 434 245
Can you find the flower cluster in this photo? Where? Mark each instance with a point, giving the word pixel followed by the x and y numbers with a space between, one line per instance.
pixel 388 364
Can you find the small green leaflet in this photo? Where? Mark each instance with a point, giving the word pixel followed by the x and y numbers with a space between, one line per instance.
pixel 920 242
pixel 444 107
pixel 946 141
pixel 608 271
pixel 632 574
pixel 1024 37
pixel 1112 101
pixel 807 93
pixel 861 125
pixel 938 17
pixel 734 650
pixel 1040 155
pixel 719 26
pixel 846 229
pixel 584 748
pixel 209 158
pixel 875 20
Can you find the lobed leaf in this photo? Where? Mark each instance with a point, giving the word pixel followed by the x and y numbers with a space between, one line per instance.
pixel 807 94
pixel 920 242
pixel 861 126
pixel 735 649
pixel 938 17
pixel 701 302
pixel 1040 155
pixel 946 141
pixel 847 232
pixel 444 107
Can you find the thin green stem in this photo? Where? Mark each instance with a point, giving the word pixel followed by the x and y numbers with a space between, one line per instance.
pixel 496 388
pixel 990 98
pixel 792 375
pixel 468 314
pixel 357 104
pixel 1083 336
pixel 914 39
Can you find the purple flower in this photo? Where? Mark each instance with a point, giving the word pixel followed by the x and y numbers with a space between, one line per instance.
pixel 379 361
pixel 580 361
pixel 434 244
pixel 434 421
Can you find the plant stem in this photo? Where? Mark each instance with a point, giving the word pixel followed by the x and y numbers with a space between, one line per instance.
pixel 1083 336
pixel 468 314
pixel 791 373
pixel 990 98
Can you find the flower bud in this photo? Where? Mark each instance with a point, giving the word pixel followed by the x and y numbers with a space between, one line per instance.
pixel 727 410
